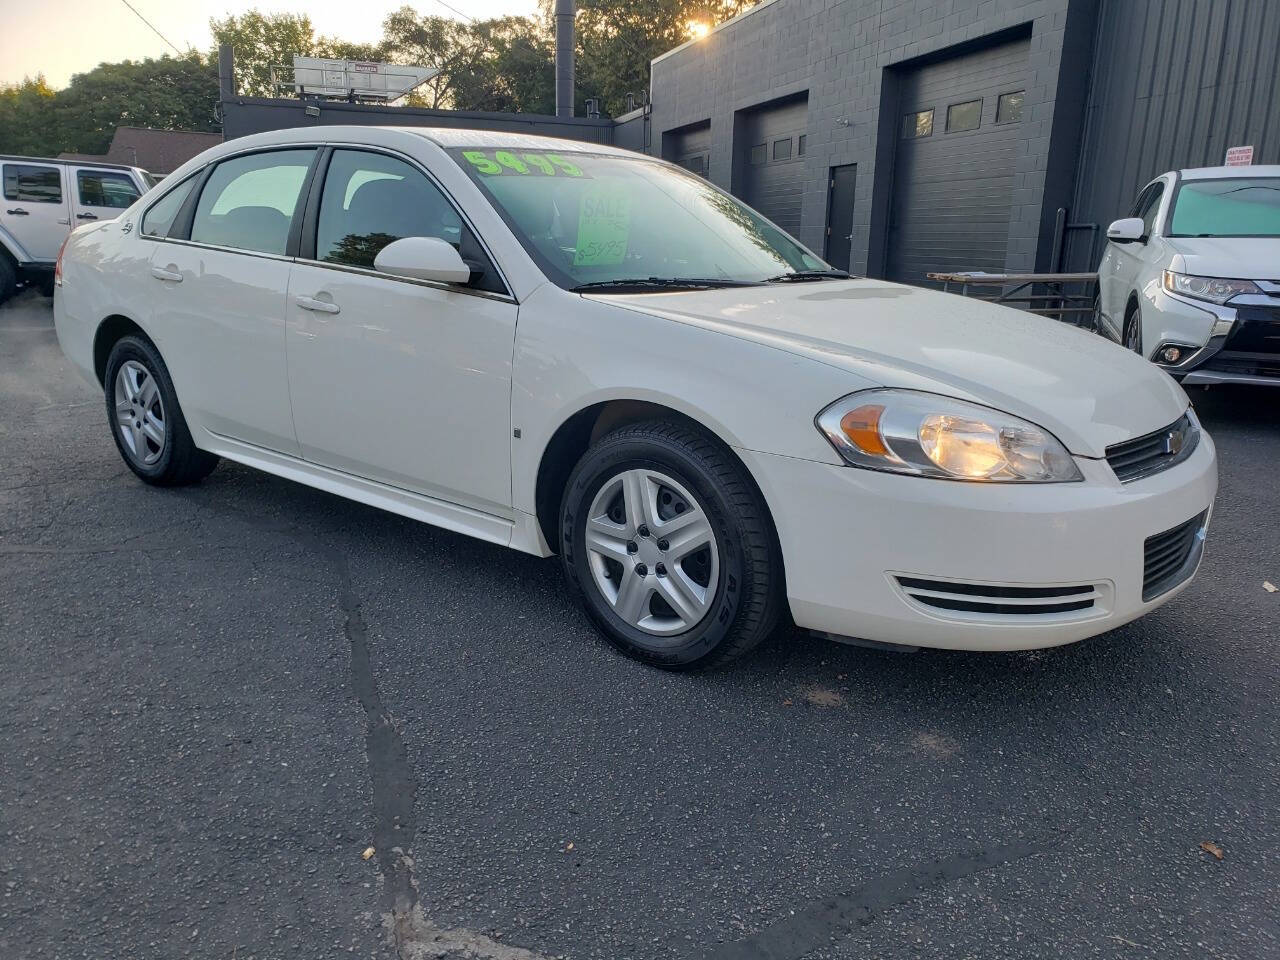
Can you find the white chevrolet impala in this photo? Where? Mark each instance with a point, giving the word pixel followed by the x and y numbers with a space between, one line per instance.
pixel 571 349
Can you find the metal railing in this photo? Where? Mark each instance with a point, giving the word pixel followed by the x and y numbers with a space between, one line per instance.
pixel 1068 297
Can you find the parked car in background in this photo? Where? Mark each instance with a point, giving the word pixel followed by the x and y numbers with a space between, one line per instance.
pixel 44 199
pixel 567 348
pixel 1191 278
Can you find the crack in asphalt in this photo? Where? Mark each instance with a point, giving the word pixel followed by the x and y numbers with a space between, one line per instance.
pixel 825 921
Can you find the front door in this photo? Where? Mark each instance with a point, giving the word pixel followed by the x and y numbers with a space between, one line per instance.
pixel 1124 263
pixel 840 187
pixel 219 296
pixel 100 194
pixel 400 381
pixel 35 211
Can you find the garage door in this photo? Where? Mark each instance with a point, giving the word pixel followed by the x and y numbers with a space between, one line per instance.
pixel 773 145
pixel 958 131
pixel 690 147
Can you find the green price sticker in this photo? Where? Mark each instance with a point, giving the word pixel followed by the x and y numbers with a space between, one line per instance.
pixel 604 224
pixel 505 163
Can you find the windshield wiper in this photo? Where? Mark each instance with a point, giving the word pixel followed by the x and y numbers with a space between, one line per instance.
pixel 642 283
pixel 799 276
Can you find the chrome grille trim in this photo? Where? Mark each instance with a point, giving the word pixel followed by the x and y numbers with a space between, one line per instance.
pixel 1000 602
pixel 1154 452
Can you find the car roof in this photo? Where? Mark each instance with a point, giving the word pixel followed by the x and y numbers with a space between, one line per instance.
pixel 447 137
pixel 1216 173
pixel 65 161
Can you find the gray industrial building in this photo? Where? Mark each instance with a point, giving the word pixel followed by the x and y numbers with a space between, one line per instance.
pixel 908 136
pixel 901 137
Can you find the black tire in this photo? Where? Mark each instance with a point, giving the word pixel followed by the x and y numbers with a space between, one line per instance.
pixel 1131 335
pixel 8 277
pixel 179 461
pixel 749 594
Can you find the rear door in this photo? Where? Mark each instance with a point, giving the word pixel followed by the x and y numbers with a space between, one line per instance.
pixel 35 208
pixel 100 194
pixel 219 278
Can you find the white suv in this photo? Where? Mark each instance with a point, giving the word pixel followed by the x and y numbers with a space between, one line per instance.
pixel 1191 279
pixel 44 199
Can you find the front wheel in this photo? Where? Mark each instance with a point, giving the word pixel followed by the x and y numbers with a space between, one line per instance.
pixel 1133 331
pixel 670 548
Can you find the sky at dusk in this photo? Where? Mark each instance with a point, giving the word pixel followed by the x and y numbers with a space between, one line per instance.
pixel 62 37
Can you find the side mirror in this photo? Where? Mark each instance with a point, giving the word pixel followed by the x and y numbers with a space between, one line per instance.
pixel 1128 230
pixel 422 258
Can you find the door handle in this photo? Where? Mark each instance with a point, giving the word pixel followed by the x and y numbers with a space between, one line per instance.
pixel 171 275
pixel 86 216
pixel 317 306
pixel 18 212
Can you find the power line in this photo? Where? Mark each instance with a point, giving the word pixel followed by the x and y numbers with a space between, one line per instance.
pixel 457 11
pixel 151 25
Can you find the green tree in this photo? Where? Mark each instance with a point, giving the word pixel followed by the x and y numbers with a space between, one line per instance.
pixel 24 116
pixel 262 41
pixel 171 93
pixel 616 39
pixel 456 49
pixel 515 73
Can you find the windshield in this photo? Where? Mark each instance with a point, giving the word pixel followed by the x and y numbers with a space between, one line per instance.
pixel 599 220
pixel 1235 207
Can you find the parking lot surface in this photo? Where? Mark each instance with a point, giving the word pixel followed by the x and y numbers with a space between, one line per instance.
pixel 215 699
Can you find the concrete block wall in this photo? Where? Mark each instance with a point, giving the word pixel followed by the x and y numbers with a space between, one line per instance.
pixel 841 52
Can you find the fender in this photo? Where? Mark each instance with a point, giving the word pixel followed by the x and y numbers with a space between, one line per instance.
pixel 14 248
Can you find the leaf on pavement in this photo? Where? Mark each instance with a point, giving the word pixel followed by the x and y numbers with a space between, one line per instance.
pixel 1268 586
pixel 368 853
pixel 1210 847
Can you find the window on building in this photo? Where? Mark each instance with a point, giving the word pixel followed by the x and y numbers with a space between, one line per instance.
pixel 782 149
pixel 159 218
pixel 248 202
pixel 759 153
pixel 99 188
pixel 964 116
pixel 1009 107
pixel 800 145
pixel 918 124
pixel 696 163
pixel 28 184
pixel 370 200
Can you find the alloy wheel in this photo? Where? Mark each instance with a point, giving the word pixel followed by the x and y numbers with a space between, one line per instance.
pixel 140 416
pixel 652 552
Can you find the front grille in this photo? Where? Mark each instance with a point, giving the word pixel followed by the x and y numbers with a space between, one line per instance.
pixel 995 600
pixel 1245 364
pixel 1171 557
pixel 1145 455
pixel 1256 331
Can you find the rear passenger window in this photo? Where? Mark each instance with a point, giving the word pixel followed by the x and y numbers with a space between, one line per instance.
pixel 159 218
pixel 371 199
pixel 102 189
pixel 248 202
pixel 28 184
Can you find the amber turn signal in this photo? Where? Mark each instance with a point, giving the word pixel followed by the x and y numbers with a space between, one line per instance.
pixel 862 426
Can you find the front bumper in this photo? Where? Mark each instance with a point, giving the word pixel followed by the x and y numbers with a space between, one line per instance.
pixel 851 537
pixel 1229 343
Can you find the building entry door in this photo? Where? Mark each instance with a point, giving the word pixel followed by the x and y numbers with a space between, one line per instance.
pixel 839 240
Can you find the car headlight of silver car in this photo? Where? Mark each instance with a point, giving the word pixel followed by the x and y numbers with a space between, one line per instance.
pixel 1214 289
pixel 929 435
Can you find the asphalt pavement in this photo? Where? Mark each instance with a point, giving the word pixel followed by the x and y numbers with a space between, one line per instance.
pixel 214 700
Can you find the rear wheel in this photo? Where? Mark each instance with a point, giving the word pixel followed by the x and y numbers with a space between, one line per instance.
pixel 670 548
pixel 146 421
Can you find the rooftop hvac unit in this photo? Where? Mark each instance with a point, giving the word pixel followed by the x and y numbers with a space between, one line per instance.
pixel 356 79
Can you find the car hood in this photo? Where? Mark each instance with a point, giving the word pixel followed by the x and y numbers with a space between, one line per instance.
pixel 1237 258
pixel 1089 392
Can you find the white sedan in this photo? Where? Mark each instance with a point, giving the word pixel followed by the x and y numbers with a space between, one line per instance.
pixel 1191 279
pixel 570 349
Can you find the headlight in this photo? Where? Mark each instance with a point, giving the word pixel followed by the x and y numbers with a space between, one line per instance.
pixel 1213 289
pixel 928 435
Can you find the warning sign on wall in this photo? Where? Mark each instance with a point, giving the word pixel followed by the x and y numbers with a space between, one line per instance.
pixel 1239 156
